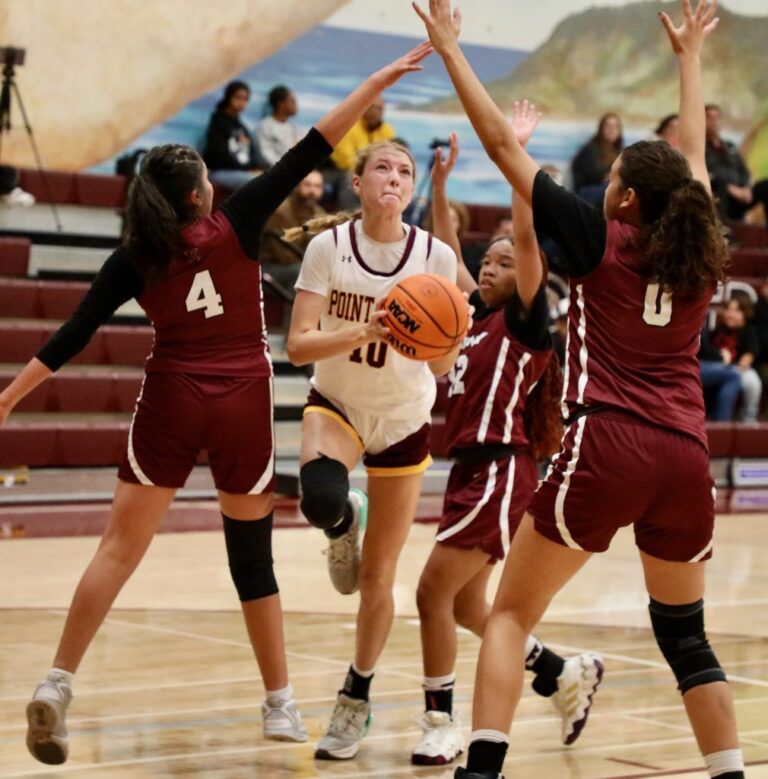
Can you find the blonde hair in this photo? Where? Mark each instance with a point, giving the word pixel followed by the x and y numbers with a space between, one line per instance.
pixel 315 226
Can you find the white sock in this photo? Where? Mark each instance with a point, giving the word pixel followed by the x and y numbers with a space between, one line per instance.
pixel 280 697
pixel 61 675
pixel 434 683
pixel 495 736
pixel 728 760
pixel 364 674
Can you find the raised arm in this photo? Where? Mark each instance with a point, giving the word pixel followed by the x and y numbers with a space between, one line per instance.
pixel 339 120
pixel 687 41
pixel 441 212
pixel 489 122
pixel 528 268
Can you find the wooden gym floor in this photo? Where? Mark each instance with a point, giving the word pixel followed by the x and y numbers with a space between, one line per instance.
pixel 169 687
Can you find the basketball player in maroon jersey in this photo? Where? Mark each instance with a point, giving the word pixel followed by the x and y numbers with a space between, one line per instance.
pixel 208 385
pixel 503 416
pixel 643 270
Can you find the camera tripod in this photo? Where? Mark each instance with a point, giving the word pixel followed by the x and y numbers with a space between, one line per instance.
pixel 9 87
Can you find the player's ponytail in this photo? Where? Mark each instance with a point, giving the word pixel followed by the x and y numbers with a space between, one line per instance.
pixel 315 226
pixel 158 204
pixel 682 236
pixel 542 417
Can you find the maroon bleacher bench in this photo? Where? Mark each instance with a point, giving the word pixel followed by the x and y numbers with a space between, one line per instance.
pixel 77 189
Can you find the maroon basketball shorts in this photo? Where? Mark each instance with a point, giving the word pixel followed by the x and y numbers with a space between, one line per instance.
pixel 484 503
pixel 178 415
pixel 390 447
pixel 614 470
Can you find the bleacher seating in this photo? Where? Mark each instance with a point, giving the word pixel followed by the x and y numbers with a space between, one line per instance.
pixel 14 256
pixel 79 189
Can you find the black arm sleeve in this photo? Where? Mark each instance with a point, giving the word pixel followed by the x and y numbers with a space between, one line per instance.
pixel 115 283
pixel 578 228
pixel 531 326
pixel 250 207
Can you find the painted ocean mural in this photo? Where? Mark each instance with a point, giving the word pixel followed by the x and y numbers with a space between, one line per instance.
pixel 323 65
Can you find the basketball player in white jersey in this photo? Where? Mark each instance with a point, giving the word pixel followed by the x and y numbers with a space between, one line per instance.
pixel 366 400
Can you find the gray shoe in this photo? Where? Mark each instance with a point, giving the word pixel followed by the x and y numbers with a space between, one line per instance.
pixel 46 717
pixel 344 552
pixel 350 721
pixel 283 723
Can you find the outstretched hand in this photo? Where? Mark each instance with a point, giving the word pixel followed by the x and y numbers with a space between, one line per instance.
pixel 442 168
pixel 525 119
pixel 689 37
pixel 443 25
pixel 408 63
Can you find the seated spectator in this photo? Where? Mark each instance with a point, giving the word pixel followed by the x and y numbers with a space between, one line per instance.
pixel 370 128
pixel 231 153
pixel 275 133
pixel 727 356
pixel 11 194
pixel 281 258
pixel 592 163
pixel 728 173
pixel 760 323
pixel 667 130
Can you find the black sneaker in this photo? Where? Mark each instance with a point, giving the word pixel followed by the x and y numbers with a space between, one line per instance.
pixel 462 773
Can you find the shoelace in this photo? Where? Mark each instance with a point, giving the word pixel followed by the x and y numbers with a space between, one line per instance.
pixel 342 718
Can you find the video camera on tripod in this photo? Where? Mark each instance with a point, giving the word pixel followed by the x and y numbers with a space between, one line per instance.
pixel 10 56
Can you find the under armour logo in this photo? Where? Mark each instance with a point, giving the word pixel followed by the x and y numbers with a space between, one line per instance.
pixel 346 258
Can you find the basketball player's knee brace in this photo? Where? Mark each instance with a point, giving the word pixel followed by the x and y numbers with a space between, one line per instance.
pixel 324 490
pixel 249 549
pixel 679 632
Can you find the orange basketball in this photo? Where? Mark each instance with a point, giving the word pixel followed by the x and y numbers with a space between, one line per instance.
pixel 426 316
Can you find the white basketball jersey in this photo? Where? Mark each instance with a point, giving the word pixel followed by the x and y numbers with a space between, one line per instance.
pixel 353 273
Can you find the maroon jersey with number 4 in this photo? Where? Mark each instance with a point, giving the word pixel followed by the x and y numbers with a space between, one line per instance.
pixel 207 312
pixel 491 379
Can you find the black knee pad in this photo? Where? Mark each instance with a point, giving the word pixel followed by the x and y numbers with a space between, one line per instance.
pixel 679 632
pixel 249 549
pixel 324 490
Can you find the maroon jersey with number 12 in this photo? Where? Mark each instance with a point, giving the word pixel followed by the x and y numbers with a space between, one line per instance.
pixel 490 382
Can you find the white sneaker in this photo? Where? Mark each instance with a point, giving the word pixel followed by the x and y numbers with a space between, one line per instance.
pixel 344 552
pixel 576 686
pixel 441 741
pixel 17 197
pixel 283 723
pixel 46 717
pixel 350 721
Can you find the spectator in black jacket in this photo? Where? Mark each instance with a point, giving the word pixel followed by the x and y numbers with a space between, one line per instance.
pixel 231 153
pixel 728 173
pixel 727 357
pixel 592 163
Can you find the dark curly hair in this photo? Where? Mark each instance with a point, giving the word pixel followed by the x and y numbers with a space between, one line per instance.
pixel 541 416
pixel 682 235
pixel 158 205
